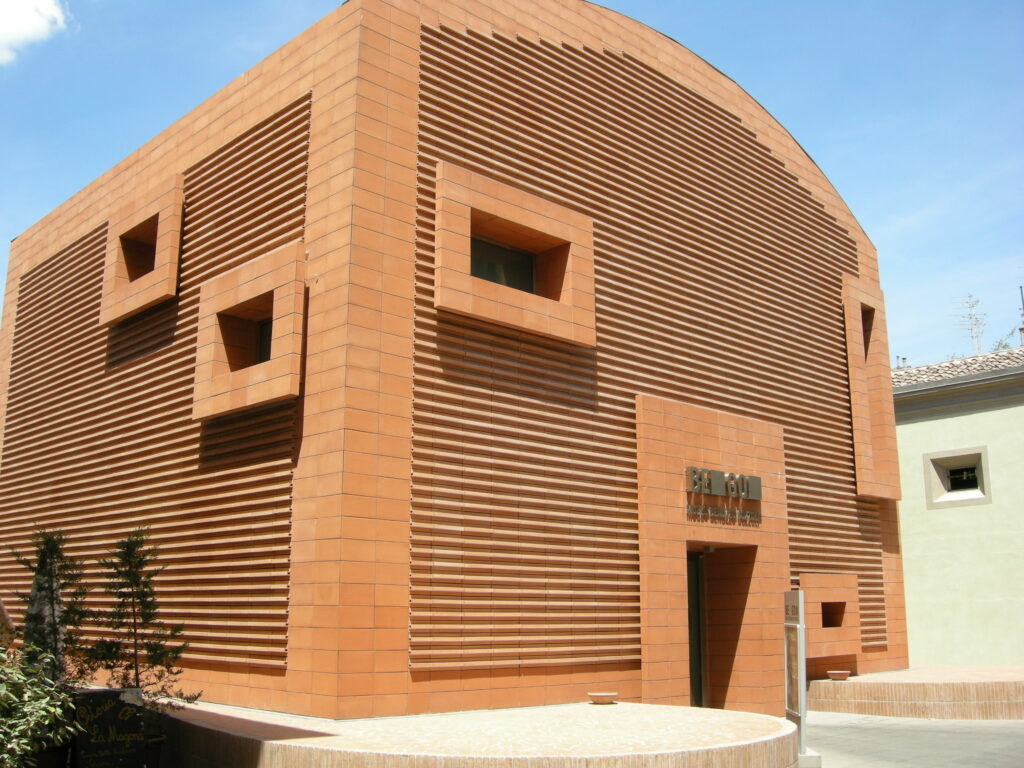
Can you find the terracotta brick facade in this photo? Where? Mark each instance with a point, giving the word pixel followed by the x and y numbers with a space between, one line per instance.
pixel 229 377
pixel 832 615
pixel 746 563
pixel 562 307
pixel 131 288
pixel 434 492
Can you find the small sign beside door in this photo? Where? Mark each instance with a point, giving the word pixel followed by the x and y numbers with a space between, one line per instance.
pixel 796 662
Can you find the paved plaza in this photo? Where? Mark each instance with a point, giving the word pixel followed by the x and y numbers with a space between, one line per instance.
pixel 623 735
pixel 867 741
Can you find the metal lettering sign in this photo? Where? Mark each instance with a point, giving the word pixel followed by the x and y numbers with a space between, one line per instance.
pixel 728 514
pixel 730 484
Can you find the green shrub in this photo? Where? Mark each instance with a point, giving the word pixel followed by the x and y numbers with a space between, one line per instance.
pixel 35 711
pixel 144 651
pixel 54 606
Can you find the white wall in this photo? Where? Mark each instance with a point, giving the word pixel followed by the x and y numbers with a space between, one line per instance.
pixel 964 566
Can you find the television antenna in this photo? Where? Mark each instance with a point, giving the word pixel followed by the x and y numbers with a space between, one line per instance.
pixel 973 321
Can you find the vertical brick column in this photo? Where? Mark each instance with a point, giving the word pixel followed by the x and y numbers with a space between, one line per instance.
pixel 895 653
pixel 350 551
pixel 310 685
pixel 746 563
pixel 871 411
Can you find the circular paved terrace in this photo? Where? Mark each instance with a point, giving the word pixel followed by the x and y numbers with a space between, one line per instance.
pixel 621 735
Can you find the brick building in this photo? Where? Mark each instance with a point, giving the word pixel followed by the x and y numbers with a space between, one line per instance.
pixel 462 355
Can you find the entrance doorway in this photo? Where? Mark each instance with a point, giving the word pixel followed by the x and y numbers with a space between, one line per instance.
pixel 695 615
pixel 718 579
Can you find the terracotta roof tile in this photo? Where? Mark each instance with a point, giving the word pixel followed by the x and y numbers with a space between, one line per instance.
pixel 958 367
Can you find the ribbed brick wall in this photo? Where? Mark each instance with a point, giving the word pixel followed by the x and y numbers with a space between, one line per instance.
pixel 718 283
pixel 99 436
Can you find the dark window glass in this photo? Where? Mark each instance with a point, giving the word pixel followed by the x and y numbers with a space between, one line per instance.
pixel 867 322
pixel 832 614
pixel 501 265
pixel 246 329
pixel 963 479
pixel 138 246
pixel 264 329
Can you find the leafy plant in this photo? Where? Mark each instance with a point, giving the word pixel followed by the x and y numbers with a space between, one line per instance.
pixel 54 606
pixel 35 710
pixel 144 651
pixel 7 632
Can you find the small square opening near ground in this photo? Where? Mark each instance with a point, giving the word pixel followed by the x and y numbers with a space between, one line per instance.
pixel 832 614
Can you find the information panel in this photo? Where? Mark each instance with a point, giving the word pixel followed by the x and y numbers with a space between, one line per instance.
pixel 796 662
pixel 113 735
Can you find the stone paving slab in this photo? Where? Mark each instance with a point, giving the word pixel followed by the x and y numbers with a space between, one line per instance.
pixel 865 741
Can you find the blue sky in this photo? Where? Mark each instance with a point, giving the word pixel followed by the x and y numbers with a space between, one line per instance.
pixel 914 109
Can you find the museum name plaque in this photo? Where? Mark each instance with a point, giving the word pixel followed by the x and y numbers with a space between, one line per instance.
pixel 728 485
pixel 113 736
pixel 714 482
pixel 725 514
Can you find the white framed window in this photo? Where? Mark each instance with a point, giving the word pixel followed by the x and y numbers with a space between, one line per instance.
pixel 956 478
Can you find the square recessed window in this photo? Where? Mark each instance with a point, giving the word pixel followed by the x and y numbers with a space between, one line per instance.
pixel 143 245
pixel 956 478
pixel 513 258
pixel 251 327
pixel 833 613
pixel 247 331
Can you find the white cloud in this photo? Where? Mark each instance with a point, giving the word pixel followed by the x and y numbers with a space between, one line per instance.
pixel 27 21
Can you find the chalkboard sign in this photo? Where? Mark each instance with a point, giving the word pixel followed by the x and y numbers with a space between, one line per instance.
pixel 113 735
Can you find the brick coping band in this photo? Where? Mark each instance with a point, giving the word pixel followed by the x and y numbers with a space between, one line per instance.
pixel 947 693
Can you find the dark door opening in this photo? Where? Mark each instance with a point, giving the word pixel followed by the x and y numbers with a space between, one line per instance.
pixel 695 612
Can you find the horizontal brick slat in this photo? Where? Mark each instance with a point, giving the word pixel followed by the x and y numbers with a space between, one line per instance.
pixel 104 416
pixel 718 283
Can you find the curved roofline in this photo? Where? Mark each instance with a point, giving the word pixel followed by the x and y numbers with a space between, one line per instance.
pixel 746 93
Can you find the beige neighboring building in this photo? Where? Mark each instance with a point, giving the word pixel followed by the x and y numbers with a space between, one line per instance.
pixel 960 431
